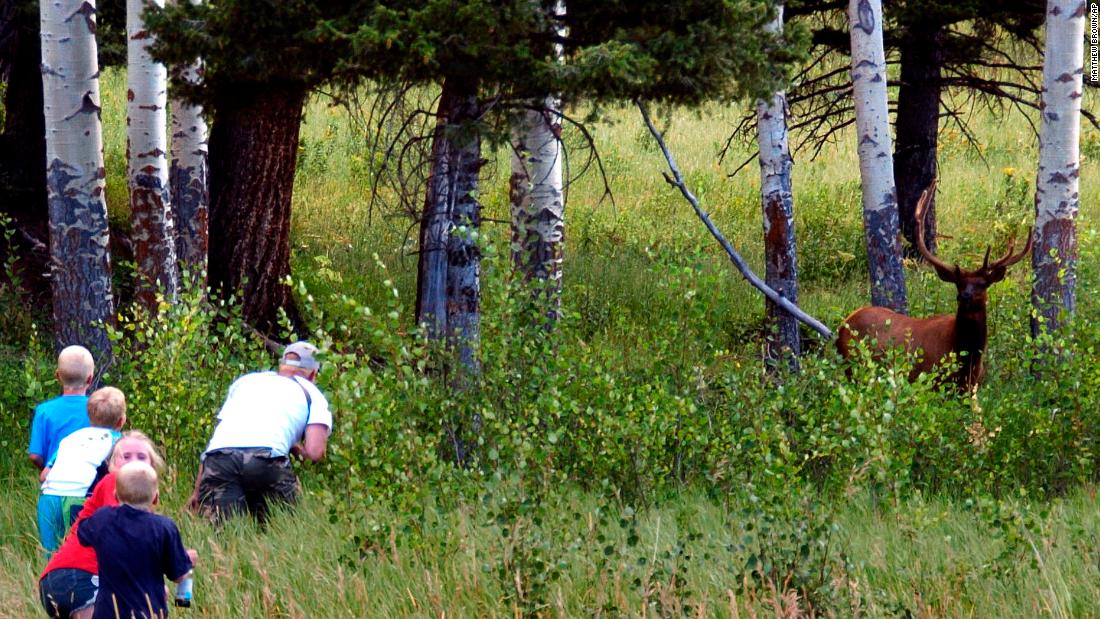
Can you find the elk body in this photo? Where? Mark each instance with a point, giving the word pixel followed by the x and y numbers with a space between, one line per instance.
pixel 933 339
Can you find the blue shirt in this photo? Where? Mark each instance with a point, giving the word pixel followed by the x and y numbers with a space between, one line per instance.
pixel 54 420
pixel 136 549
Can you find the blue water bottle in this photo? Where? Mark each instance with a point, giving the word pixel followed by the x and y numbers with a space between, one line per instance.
pixel 184 589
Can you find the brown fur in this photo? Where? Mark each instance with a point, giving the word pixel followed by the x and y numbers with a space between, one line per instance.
pixel 933 339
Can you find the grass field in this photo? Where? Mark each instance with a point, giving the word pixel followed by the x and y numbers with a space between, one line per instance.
pixel 656 306
pixel 924 558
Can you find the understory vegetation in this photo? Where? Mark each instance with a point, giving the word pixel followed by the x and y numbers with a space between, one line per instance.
pixel 636 460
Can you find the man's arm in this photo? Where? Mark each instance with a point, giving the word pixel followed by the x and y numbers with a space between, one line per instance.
pixel 37 460
pixel 314 443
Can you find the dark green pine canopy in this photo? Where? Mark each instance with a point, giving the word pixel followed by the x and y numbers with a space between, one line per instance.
pixel 681 52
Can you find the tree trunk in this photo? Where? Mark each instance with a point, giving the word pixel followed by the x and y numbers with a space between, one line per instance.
pixel 537 194
pixel 463 253
pixel 253 153
pixel 782 344
pixel 23 146
pixel 81 272
pixel 1054 258
pixel 880 204
pixel 188 179
pixel 538 204
pixel 449 266
pixel 917 128
pixel 153 231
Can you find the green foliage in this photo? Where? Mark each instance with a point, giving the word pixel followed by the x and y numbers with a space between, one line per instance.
pixel 640 428
pixel 830 232
pixel 16 313
pixel 615 51
pixel 175 368
pixel 245 43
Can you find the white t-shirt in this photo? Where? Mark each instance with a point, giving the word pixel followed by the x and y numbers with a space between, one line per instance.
pixel 78 456
pixel 264 409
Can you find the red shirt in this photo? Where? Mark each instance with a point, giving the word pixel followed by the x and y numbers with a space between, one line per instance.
pixel 72 554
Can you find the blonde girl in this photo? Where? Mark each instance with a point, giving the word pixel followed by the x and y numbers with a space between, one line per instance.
pixel 70 582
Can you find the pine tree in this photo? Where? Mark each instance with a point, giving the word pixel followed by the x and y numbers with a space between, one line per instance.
pixel 263 59
pixel 23 143
pixel 260 62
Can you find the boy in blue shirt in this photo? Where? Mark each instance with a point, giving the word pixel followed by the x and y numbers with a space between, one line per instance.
pixel 136 549
pixel 80 462
pixel 57 418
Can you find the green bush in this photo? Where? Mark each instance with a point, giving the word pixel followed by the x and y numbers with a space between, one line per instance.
pixel 643 420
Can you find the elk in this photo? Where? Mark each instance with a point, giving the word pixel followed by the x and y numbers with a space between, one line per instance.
pixel 934 338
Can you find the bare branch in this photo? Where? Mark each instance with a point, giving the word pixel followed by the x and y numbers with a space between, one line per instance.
pixel 677 180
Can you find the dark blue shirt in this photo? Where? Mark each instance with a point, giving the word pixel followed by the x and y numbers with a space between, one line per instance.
pixel 54 420
pixel 136 550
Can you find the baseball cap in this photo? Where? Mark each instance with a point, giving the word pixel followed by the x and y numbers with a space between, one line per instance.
pixel 306 359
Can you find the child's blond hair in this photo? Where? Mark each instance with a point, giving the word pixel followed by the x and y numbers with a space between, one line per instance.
pixel 74 367
pixel 136 484
pixel 107 408
pixel 155 459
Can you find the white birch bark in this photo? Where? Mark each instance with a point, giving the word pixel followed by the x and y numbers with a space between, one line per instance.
pixel 188 178
pixel 781 339
pixel 147 147
pixel 880 203
pixel 537 194
pixel 1057 200
pixel 79 238
pixel 537 198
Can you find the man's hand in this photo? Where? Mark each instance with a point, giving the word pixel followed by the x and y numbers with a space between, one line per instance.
pixel 314 442
pixel 42 474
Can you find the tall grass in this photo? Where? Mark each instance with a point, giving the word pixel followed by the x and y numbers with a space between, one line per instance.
pixel 930 558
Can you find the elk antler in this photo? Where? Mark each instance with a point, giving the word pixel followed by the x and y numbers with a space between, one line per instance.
pixel 1009 259
pixel 946 272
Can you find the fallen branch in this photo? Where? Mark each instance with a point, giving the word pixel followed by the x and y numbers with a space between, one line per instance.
pixel 677 180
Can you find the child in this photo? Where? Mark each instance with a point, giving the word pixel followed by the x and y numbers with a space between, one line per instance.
pixel 57 418
pixel 136 549
pixel 80 461
pixel 68 585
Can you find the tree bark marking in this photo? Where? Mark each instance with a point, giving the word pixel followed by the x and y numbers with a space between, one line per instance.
pixel 79 237
pixel 880 214
pixel 1057 200
pixel 147 145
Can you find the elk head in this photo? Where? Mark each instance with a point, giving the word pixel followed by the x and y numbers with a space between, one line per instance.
pixel 934 338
